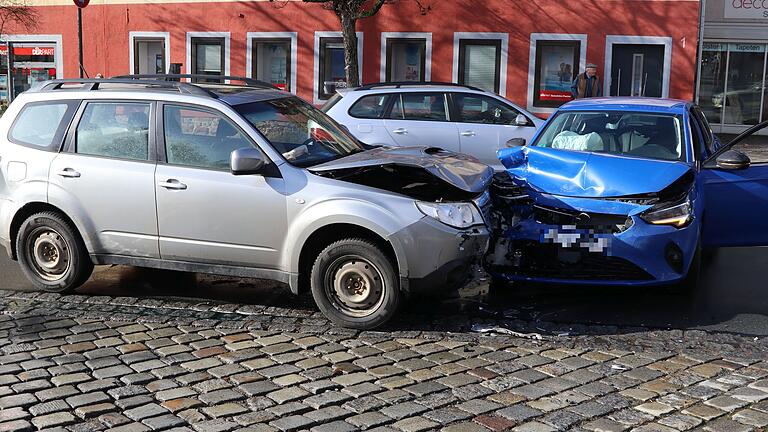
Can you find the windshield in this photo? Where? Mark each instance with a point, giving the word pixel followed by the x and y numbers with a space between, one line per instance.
pixel 304 135
pixel 652 136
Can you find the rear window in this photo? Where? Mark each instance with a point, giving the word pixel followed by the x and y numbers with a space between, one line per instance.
pixel 369 107
pixel 42 125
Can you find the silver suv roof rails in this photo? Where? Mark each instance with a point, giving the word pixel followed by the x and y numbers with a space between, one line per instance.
pixel 89 84
pixel 215 80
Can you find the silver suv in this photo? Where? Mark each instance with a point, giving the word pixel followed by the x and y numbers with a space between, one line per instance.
pixel 242 180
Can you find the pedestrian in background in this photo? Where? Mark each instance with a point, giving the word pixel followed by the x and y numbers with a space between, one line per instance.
pixel 587 84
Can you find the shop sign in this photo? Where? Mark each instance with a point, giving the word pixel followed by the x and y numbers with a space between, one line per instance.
pixel 714 46
pixel 28 51
pixel 746 9
pixel 746 47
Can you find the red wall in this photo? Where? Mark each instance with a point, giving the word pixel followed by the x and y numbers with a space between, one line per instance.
pixel 106 31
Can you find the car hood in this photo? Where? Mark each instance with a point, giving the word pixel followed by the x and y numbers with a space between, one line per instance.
pixel 588 175
pixel 460 171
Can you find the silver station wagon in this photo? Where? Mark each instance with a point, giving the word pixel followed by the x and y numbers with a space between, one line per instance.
pixel 235 179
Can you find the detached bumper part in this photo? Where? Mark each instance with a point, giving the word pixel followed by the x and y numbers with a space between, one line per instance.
pixel 440 257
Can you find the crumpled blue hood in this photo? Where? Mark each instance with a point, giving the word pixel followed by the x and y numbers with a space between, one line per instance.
pixel 588 175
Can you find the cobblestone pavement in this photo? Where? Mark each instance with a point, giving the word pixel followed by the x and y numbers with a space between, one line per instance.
pixel 86 363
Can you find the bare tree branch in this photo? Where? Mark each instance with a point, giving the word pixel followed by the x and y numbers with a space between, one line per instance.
pixel 373 10
pixel 17 14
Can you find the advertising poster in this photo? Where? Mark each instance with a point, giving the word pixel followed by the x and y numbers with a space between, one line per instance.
pixel 556 73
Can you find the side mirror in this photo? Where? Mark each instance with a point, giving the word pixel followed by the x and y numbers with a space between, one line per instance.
pixel 516 142
pixel 733 160
pixel 521 120
pixel 246 161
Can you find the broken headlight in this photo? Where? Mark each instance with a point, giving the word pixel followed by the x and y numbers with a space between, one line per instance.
pixel 677 214
pixel 457 215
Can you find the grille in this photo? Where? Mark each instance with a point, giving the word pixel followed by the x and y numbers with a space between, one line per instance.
pixel 553 261
pixel 600 221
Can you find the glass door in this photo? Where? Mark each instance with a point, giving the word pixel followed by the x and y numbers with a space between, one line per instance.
pixel 30 63
pixel 732 88
pixel 637 70
pixel 149 56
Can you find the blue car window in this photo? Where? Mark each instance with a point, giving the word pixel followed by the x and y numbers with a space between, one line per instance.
pixel 645 135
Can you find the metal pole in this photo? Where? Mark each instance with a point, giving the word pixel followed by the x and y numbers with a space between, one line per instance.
pixel 80 38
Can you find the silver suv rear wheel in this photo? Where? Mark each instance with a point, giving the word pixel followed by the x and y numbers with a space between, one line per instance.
pixel 51 253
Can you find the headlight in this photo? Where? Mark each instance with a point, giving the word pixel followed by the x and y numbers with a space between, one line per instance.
pixel 677 214
pixel 457 215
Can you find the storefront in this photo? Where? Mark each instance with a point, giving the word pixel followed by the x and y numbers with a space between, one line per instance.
pixel 528 51
pixel 25 60
pixel 732 76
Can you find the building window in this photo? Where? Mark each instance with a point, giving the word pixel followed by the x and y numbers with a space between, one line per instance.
pixel 557 64
pixel 406 59
pixel 149 56
pixel 208 57
pixel 480 63
pixel 731 84
pixel 272 62
pixel 332 71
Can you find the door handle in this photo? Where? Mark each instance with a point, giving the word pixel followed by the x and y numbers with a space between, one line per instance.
pixel 172 184
pixel 400 131
pixel 468 133
pixel 68 173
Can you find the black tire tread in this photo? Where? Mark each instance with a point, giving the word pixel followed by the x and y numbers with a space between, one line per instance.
pixel 377 319
pixel 81 271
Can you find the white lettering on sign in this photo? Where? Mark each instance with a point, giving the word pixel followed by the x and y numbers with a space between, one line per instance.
pixel 746 9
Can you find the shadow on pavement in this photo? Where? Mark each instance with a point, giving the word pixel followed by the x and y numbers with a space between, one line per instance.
pixel 731 298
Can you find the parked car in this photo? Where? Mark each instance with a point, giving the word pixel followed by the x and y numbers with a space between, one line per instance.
pixel 625 191
pixel 458 118
pixel 241 180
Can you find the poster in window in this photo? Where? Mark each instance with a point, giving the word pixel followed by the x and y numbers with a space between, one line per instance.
pixel 556 71
pixel 159 64
pixel 412 62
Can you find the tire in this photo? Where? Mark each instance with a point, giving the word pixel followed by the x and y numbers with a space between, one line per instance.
pixel 52 254
pixel 360 265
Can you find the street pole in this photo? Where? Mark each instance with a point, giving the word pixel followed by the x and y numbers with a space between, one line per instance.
pixel 80 38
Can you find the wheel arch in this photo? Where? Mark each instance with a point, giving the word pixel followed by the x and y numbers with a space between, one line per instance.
pixel 327 234
pixel 28 210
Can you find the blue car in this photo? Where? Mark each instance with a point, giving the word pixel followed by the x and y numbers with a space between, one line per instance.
pixel 624 191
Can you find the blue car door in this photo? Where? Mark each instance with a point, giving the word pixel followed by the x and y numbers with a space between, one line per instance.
pixel 735 191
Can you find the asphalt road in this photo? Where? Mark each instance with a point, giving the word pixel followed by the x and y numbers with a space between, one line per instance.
pixel 733 296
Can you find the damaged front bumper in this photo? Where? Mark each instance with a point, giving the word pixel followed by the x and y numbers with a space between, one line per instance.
pixel 559 240
pixel 439 257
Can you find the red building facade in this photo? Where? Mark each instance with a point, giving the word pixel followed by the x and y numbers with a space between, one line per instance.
pixel 528 51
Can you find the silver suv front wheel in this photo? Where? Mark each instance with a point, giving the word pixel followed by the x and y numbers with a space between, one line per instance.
pixel 355 284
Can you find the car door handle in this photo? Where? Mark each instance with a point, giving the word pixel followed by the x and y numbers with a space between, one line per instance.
pixel 468 133
pixel 68 173
pixel 400 131
pixel 173 184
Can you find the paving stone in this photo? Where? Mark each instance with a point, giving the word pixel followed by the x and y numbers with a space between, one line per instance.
pixel 291 423
pixel 414 424
pixel 53 420
pixel 16 426
pixel 518 413
pixel 95 410
pixel 145 411
pixel 368 420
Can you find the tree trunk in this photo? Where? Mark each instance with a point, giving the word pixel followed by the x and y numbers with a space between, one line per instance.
pixel 348 26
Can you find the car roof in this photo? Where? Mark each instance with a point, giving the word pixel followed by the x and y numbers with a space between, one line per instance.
pixel 409 87
pixel 658 105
